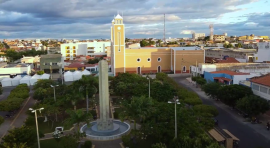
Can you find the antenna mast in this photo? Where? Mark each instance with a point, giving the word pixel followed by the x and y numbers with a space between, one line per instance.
pixel 164 39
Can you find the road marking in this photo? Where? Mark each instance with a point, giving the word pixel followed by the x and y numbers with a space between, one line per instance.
pixel 20 111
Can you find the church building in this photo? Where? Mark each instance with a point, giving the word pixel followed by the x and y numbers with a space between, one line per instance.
pixel 144 60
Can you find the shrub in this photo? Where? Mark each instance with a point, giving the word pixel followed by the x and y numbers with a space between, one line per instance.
pixel 202 108
pixel 201 81
pixel 87 144
pixel 41 72
pixel 193 101
pixel 1 90
pixel 1 120
pixel 11 104
pixel 161 76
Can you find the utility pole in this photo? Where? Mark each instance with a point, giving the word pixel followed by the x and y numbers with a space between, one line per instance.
pixel 196 68
pixel 164 30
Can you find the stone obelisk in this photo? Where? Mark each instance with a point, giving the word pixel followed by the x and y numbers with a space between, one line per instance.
pixel 104 122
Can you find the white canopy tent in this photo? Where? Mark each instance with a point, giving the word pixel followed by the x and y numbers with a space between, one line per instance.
pixel 45 76
pixel 34 79
pixel 25 80
pixel 77 75
pixel 16 80
pixel 6 82
pixel 68 76
pixel 86 72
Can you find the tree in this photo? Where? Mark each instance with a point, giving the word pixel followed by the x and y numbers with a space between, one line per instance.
pixel 201 81
pixel 93 61
pixel 11 104
pixel 211 89
pixel 138 108
pixel 202 108
pixel 127 40
pixel 253 105
pixel 77 117
pixel 229 94
pixel 73 96
pixel 161 76
pixel 229 45
pixel 15 145
pixel 144 43
pixel 1 90
pixel 193 101
pixel 159 145
pixel 239 45
pixel 44 83
pixel 87 85
pixel 20 135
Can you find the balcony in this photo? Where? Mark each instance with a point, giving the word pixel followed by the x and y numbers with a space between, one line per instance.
pixel 74 51
pixel 74 55
pixel 67 51
pixel 74 47
pixel 67 47
pixel 67 55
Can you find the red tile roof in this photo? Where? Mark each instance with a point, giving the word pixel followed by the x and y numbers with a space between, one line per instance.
pixel 263 80
pixel 230 72
pixel 75 65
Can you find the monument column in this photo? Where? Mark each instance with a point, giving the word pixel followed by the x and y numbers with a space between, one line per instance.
pixel 104 122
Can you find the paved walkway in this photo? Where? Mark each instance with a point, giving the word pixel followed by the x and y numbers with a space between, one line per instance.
pixel 260 128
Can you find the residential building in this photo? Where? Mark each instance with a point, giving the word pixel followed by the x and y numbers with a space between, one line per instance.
pixel 261 86
pixel 242 55
pixel 51 63
pixel 263 54
pixel 31 60
pixel 149 59
pixel 195 36
pixel 219 38
pixel 14 69
pixel 71 50
pixel 255 69
pixel 226 76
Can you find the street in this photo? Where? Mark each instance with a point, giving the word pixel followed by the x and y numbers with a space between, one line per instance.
pixel 245 131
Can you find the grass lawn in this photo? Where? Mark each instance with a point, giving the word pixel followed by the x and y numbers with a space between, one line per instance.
pixel 50 143
pixel 46 127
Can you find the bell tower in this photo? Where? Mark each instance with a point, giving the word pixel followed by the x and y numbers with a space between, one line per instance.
pixel 118 45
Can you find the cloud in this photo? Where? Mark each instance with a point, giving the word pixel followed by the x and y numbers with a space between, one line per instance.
pixel 187 32
pixel 92 18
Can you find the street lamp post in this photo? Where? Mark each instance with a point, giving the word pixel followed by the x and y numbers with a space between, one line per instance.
pixel 54 91
pixel 149 85
pixel 35 111
pixel 175 101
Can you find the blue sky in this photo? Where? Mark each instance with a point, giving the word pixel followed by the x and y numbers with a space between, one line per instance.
pixel 91 19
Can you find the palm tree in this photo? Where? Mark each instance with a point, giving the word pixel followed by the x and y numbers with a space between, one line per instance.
pixel 89 85
pixel 73 96
pixel 138 108
pixel 77 117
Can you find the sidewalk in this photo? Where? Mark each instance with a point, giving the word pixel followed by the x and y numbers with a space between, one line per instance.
pixel 260 128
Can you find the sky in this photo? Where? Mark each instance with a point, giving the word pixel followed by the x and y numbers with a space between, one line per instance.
pixel 91 19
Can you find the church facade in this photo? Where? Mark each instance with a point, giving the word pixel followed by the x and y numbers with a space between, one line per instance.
pixel 145 60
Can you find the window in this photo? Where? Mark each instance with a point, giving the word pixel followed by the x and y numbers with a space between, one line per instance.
pixel 138 60
pixel 148 59
pixel 255 87
pixel 54 63
pixel 159 59
pixel 74 47
pixel 263 89
pixel 90 51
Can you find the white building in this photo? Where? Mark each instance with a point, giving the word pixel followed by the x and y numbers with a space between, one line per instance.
pixel 261 86
pixel 15 69
pixel 31 60
pixel 263 53
pixel 197 35
pixel 69 51
pixel 255 69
